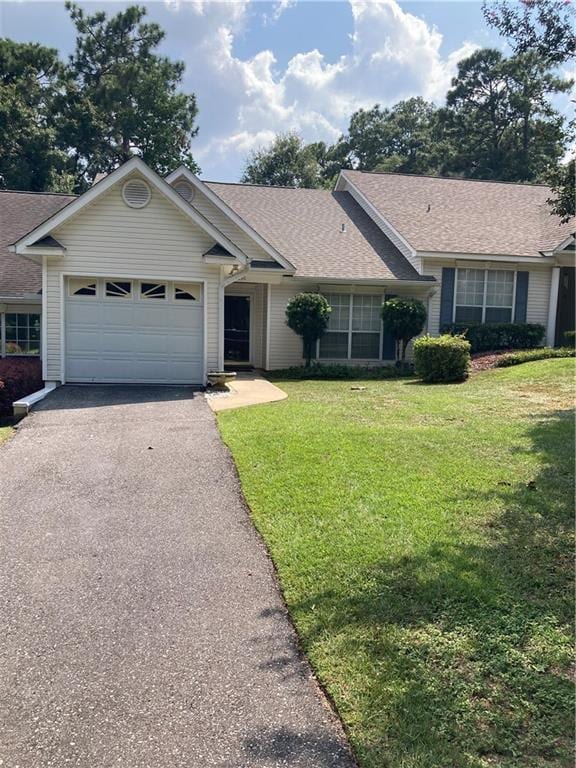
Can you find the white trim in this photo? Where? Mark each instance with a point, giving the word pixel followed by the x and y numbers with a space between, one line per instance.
pixel 268 317
pixel 44 322
pixel 495 257
pixel 553 307
pixel 380 220
pixel 182 171
pixel 222 260
pixel 63 327
pixel 564 244
pixel 349 281
pixel 135 164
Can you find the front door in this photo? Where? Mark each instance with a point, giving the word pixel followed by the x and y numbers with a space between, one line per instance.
pixel 237 329
pixel 566 301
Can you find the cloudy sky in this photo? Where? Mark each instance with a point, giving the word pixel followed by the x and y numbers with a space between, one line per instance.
pixel 258 68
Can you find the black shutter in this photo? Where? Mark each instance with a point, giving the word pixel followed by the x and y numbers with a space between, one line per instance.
pixel 521 297
pixel 447 296
pixel 388 340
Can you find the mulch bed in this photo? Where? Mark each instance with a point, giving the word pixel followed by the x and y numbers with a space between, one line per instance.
pixel 482 361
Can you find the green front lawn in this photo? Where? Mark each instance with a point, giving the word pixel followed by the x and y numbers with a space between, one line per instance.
pixel 422 535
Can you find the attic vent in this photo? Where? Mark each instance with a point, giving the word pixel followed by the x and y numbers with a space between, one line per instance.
pixel 185 190
pixel 136 193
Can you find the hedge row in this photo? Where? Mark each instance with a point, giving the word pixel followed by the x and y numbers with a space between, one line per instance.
pixel 527 355
pixel 493 336
pixel 19 376
pixel 336 373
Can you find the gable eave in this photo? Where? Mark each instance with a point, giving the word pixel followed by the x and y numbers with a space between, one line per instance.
pixel 186 173
pixel 135 164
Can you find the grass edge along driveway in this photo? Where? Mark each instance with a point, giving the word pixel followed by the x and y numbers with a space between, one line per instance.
pixel 423 538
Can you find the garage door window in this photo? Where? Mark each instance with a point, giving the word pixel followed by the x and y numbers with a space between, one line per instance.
pixel 120 289
pixel 82 287
pixel 153 290
pixel 22 334
pixel 187 292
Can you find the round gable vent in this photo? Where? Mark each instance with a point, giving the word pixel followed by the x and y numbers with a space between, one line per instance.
pixel 136 193
pixel 185 190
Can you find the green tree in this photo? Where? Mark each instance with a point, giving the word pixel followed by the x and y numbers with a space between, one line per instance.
pixel 498 122
pixel 543 27
pixel 121 98
pixel 286 162
pixel 563 183
pixel 401 138
pixel 29 81
pixel 404 319
pixel 307 314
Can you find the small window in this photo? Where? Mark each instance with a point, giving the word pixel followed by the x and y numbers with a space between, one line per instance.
pixel 153 290
pixel 186 292
pixel 82 286
pixel 22 334
pixel 119 289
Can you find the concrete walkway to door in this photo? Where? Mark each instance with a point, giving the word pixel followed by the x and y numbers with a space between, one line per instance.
pixel 141 622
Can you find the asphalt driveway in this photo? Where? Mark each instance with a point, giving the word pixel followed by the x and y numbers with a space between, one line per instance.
pixel 141 622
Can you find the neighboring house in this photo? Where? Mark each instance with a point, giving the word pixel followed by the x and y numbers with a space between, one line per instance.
pixel 145 279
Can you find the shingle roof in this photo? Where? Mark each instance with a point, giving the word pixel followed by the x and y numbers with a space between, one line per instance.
pixel 20 212
pixel 305 226
pixel 463 216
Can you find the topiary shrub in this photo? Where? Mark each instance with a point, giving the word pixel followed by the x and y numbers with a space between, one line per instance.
pixel 570 338
pixel 441 358
pixel 307 314
pixel 404 318
pixel 492 336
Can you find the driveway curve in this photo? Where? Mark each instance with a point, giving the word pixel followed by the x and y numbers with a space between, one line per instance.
pixel 142 625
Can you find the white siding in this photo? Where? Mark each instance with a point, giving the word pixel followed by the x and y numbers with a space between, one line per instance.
pixel 108 238
pixel 232 231
pixel 538 290
pixel 257 293
pixel 286 346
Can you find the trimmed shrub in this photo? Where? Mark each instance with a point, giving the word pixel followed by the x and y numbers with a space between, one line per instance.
pixel 19 376
pixel 570 338
pixel 528 355
pixel 442 358
pixel 307 314
pixel 336 373
pixel 492 336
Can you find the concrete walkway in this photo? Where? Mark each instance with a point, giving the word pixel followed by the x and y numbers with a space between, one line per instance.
pixel 246 389
pixel 141 622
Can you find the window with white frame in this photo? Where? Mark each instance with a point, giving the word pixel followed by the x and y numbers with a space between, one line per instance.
pixel 484 295
pixel 355 327
pixel 22 333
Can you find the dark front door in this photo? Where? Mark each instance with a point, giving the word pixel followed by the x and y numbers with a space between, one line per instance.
pixel 566 302
pixel 237 329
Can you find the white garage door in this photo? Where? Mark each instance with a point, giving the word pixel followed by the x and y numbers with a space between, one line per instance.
pixel 134 331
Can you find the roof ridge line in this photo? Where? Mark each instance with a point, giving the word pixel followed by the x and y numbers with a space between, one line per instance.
pixel 446 178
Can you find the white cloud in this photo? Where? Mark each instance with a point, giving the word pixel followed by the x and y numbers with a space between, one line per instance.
pixel 244 101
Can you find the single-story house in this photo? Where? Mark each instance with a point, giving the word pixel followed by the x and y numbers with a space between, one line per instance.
pixel 144 279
